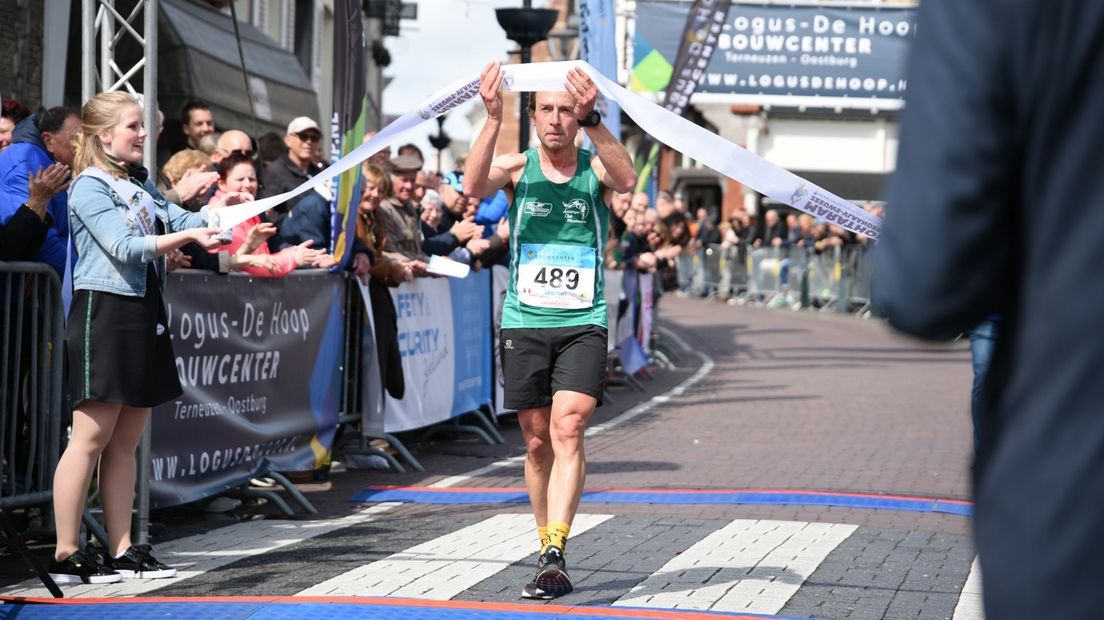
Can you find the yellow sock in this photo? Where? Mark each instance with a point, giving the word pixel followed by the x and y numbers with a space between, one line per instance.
pixel 557 534
pixel 542 531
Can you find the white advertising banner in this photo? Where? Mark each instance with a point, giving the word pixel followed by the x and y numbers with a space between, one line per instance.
pixel 424 309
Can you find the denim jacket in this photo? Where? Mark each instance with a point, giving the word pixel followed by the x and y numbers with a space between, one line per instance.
pixel 112 250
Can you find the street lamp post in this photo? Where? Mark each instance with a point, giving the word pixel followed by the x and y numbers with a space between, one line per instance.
pixel 526 27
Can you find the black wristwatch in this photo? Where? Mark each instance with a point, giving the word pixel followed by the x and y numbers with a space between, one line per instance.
pixel 592 119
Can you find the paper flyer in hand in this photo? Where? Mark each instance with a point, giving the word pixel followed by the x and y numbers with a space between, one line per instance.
pixel 444 266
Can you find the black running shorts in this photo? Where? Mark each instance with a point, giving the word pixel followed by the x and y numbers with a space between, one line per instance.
pixel 538 362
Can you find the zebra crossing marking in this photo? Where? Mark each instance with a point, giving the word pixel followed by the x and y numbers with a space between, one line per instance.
pixel 195 555
pixel 969 605
pixel 444 567
pixel 751 566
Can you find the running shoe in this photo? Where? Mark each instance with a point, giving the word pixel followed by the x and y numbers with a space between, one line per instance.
pixel 551 580
pixel 138 563
pixel 81 568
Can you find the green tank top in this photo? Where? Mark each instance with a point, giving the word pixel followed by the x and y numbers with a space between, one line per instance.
pixel 557 240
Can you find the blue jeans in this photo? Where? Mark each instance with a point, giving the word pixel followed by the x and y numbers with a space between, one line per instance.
pixel 983 339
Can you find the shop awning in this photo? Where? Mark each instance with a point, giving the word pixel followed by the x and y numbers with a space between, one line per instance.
pixel 198 59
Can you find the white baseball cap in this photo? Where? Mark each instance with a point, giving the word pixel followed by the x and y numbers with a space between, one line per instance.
pixel 301 124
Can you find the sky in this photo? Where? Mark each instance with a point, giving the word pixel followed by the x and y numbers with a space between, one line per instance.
pixel 450 40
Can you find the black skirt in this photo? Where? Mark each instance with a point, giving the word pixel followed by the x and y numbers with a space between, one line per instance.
pixel 119 350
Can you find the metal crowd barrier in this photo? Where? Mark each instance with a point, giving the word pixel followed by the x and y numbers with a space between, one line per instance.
pixel 836 278
pixel 31 345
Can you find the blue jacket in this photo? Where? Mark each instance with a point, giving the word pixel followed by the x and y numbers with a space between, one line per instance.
pixel 18 162
pixel 112 250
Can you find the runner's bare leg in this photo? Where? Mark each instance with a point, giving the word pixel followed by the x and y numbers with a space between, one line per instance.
pixel 570 413
pixel 538 458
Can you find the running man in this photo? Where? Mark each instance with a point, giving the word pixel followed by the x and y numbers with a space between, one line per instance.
pixel 553 337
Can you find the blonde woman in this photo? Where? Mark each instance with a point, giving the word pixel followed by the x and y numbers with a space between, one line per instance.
pixel 120 356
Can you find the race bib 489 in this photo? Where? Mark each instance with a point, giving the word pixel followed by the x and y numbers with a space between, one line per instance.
pixel 551 275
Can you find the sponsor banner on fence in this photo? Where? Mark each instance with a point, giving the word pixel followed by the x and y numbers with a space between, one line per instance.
pixel 260 364
pixel 444 339
pixel 771 54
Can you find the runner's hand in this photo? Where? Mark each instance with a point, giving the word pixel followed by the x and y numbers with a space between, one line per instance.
pixel 490 85
pixel 582 88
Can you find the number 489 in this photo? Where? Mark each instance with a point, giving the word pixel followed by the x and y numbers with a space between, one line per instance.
pixel 555 277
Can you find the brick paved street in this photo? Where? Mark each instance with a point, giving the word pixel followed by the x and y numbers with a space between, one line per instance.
pixel 792 401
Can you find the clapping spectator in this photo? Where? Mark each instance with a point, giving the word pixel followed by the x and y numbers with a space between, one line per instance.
pixel 237 175
pixel 21 236
pixel 40 142
pixel 186 179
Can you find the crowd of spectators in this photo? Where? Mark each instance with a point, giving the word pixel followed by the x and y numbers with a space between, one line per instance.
pixel 406 211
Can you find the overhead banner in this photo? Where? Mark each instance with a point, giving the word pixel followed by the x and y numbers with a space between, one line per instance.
pixel 350 109
pixel 260 364
pixel 794 55
pixel 680 134
pixel 445 343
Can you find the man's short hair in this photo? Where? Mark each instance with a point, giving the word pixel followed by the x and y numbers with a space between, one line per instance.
pixel 52 120
pixel 270 146
pixel 193 104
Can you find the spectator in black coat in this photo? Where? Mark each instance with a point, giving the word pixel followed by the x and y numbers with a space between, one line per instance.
pixel 301 162
pixel 995 208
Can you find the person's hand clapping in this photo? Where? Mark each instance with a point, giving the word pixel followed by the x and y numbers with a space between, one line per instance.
pixel 44 185
pixel 465 230
pixel 194 182
pixel 256 236
pixel 478 246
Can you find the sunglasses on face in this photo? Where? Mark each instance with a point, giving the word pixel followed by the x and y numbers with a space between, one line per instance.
pixel 309 137
pixel 242 152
